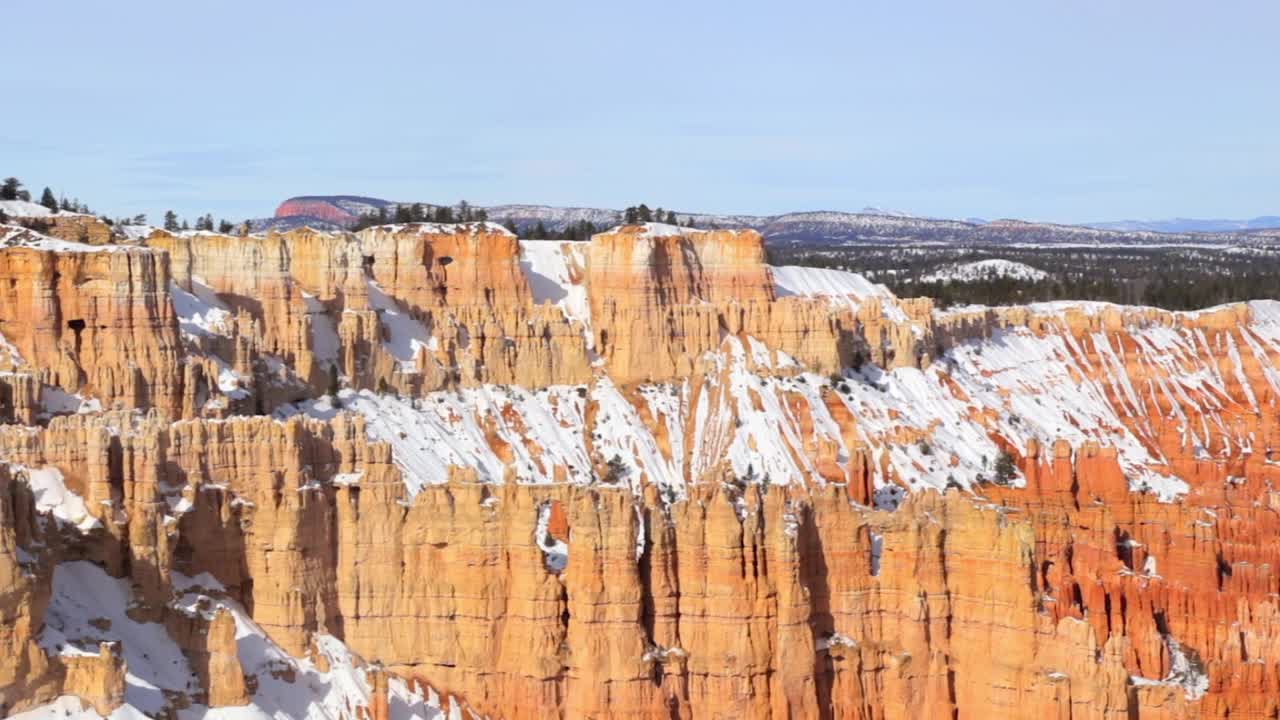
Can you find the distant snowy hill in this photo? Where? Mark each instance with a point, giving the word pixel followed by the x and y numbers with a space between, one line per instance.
pixel 985 270
pixel 871 225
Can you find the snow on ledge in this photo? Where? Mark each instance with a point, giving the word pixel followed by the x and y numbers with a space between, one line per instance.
pixel 549 266
pixel 433 228
pixel 838 286
pixel 27 209
pixel 54 497
pixel 19 237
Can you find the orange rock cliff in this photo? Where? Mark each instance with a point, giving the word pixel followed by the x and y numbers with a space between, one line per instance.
pixel 437 471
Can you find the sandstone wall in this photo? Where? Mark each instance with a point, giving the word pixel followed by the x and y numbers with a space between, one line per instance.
pixel 93 321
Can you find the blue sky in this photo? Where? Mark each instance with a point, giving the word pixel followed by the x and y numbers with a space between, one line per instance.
pixel 1071 111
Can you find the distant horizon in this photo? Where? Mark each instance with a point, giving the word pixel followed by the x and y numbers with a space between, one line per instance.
pixel 156 218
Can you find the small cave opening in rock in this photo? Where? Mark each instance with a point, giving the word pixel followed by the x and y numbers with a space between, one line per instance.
pixel 368 264
pixel 445 261
pixel 77 326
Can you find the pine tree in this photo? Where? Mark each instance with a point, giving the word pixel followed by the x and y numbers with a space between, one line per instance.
pixel 225 227
pixel 170 221
pixel 616 470
pixel 48 200
pixel 367 220
pixel 671 218
pixel 185 226
pixel 1006 471
pixel 631 216
pixel 11 189
pixel 444 214
pixel 464 211
pixel 511 226
pixel 539 232
pixel 644 213
pixel 404 214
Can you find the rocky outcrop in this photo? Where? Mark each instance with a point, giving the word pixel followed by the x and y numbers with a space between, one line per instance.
pixel 223 674
pixel 92 320
pixel 98 679
pixel 68 226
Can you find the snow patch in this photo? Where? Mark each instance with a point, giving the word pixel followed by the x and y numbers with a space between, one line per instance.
pixel 556 271
pixel 408 336
pixel 555 553
pixel 54 497
pixel 200 314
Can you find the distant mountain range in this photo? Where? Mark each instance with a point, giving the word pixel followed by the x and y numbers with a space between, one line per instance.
pixel 1176 225
pixel 871 225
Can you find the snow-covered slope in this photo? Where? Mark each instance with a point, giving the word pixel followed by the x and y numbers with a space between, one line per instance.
pixel 992 269
pixel 90 607
pixel 556 271
pixel 838 286
pixel 25 209
pixel 758 413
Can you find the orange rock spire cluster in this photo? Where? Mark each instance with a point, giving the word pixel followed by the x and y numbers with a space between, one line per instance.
pixel 433 468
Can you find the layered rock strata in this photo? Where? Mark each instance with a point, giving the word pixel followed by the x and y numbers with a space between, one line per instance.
pixel 648 477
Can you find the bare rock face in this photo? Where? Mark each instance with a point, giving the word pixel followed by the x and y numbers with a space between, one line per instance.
pixel 662 297
pixel 655 298
pixel 431 466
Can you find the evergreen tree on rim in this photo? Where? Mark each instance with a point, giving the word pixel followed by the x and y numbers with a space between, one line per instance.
pixel 11 189
pixel 48 200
